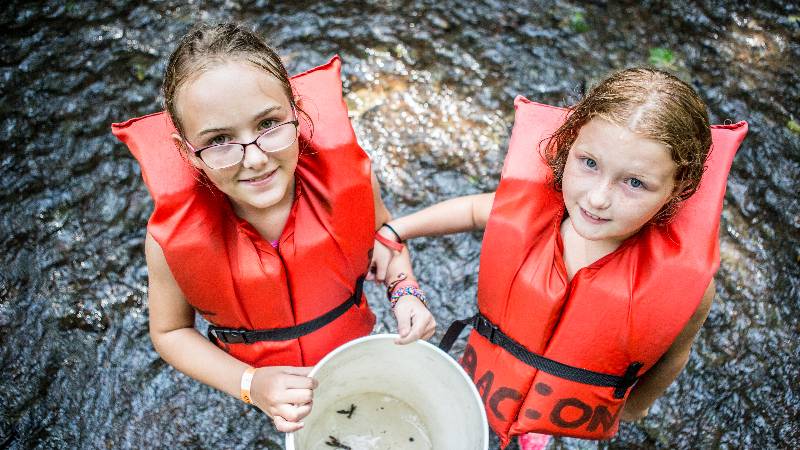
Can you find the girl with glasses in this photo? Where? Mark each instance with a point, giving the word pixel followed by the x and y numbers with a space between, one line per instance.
pixel 265 213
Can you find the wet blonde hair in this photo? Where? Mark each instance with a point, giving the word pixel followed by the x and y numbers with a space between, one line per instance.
pixel 655 105
pixel 208 45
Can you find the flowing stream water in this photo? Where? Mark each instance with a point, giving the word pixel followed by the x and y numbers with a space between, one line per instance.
pixel 430 85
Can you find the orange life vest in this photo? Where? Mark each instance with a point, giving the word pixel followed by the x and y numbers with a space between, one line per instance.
pixel 234 277
pixel 558 357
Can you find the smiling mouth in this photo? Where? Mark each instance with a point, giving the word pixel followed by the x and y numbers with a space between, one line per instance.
pixel 592 217
pixel 260 178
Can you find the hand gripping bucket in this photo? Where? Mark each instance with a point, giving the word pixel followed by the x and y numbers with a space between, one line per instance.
pixel 374 394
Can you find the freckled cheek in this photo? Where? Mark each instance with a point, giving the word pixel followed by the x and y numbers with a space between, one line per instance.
pixel 637 211
pixel 568 191
pixel 575 185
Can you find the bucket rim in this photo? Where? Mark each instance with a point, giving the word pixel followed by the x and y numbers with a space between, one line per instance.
pixel 393 336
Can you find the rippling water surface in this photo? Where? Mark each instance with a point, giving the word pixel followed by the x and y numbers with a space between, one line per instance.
pixel 430 86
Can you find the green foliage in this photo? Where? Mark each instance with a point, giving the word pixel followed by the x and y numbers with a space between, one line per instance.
pixel 578 22
pixel 139 71
pixel 662 57
pixel 793 126
pixel 71 7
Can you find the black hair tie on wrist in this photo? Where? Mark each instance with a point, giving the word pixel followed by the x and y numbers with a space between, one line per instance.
pixel 399 239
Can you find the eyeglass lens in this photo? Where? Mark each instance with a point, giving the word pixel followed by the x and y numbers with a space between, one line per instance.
pixel 226 155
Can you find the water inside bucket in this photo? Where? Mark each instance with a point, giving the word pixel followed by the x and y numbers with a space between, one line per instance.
pixel 368 421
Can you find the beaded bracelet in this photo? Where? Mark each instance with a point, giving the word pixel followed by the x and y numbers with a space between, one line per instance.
pixel 408 290
pixel 394 284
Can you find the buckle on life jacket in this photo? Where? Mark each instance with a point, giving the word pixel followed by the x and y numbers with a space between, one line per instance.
pixel 629 378
pixel 486 328
pixel 231 336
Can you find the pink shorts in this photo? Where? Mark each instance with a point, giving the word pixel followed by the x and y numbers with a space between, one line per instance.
pixel 533 441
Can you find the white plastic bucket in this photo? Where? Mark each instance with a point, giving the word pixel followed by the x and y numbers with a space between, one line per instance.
pixel 411 396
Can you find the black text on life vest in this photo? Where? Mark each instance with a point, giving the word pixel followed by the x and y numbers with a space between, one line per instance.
pixel 590 416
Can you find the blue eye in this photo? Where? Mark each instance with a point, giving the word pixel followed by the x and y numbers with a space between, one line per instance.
pixel 636 184
pixel 590 163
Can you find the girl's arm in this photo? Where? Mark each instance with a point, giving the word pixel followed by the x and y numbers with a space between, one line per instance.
pixel 656 380
pixel 414 320
pixel 470 212
pixel 276 390
pixel 459 214
pixel 380 253
pixel 382 215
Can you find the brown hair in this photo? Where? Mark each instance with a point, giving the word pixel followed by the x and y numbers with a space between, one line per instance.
pixel 207 45
pixel 654 104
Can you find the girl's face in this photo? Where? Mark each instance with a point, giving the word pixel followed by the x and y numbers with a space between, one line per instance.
pixel 236 102
pixel 615 181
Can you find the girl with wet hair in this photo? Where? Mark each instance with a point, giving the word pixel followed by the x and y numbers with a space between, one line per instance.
pixel 594 280
pixel 264 222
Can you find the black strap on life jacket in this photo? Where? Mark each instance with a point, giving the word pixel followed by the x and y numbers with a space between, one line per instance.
pixel 492 332
pixel 239 336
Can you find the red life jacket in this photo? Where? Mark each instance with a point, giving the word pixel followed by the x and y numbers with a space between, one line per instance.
pixel 234 277
pixel 558 357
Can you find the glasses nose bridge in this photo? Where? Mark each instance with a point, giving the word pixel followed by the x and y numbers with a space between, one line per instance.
pixel 258 147
pixel 255 143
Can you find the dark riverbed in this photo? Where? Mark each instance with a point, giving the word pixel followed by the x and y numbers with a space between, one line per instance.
pixel 430 86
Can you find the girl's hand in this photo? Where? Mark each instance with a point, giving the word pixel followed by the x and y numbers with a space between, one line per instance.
pixel 381 257
pixel 284 394
pixel 414 320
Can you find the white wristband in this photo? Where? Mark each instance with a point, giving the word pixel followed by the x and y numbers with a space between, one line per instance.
pixel 247 379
